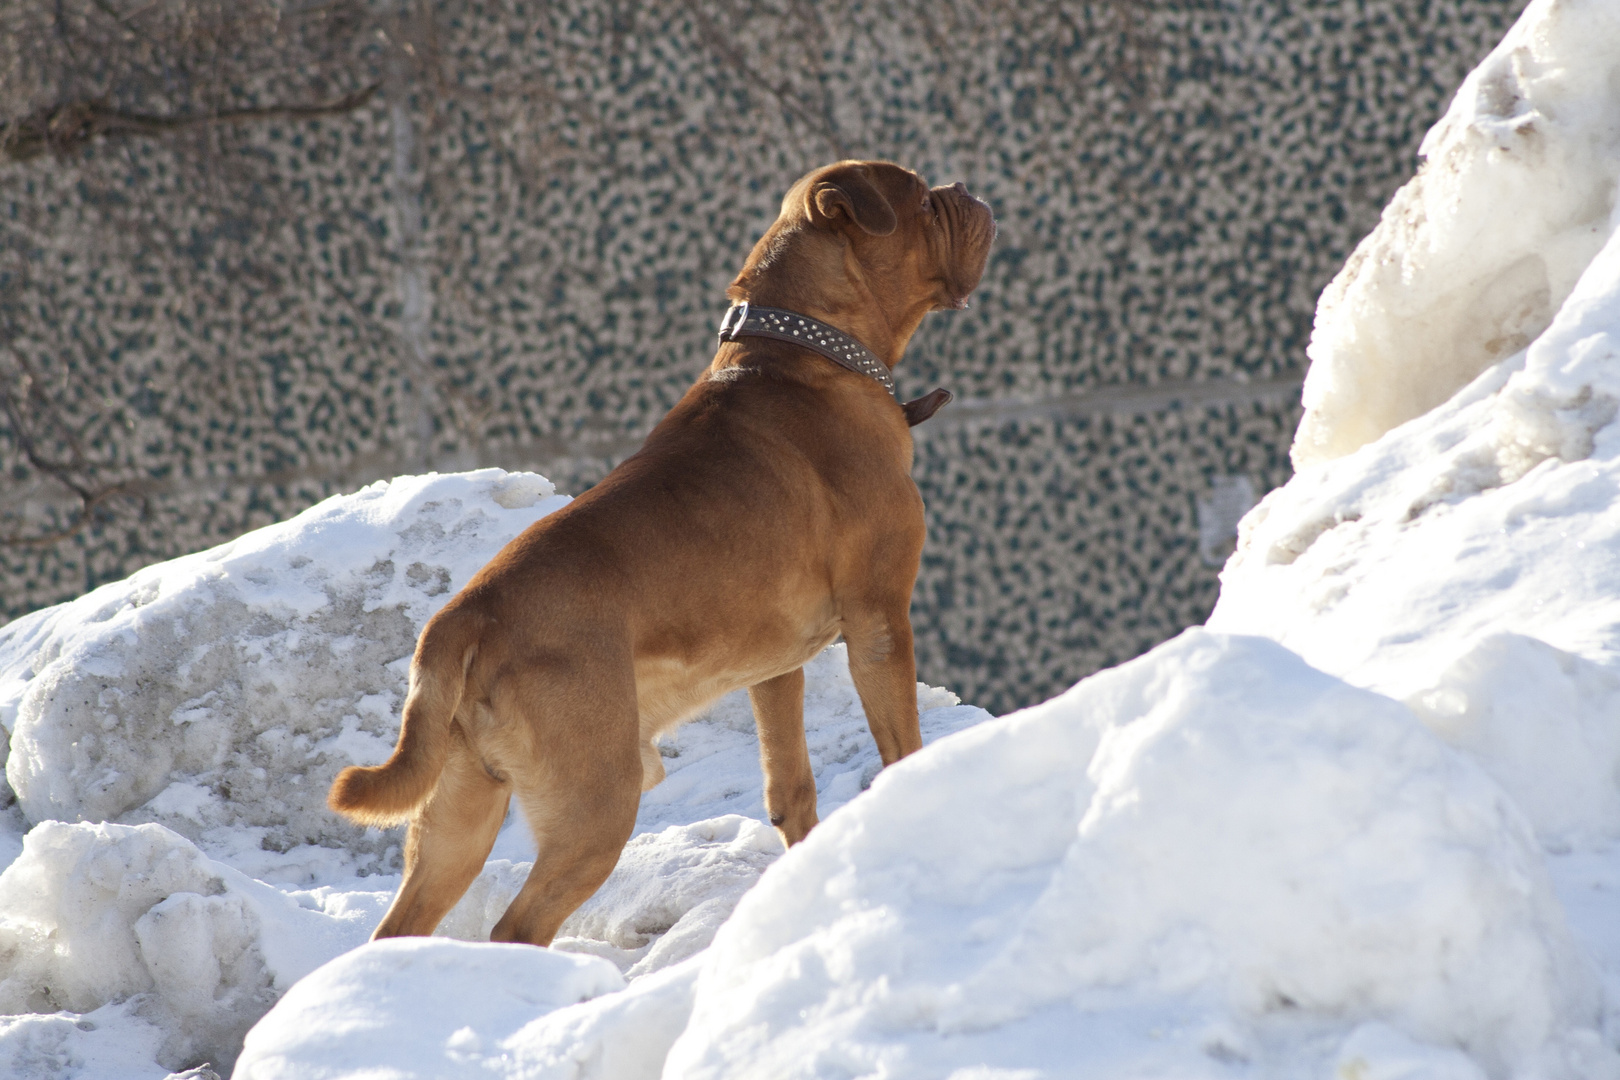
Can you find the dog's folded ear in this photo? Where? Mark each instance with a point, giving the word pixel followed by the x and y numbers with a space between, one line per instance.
pixel 850 192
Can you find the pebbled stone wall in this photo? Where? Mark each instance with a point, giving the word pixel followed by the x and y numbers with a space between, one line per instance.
pixel 514 253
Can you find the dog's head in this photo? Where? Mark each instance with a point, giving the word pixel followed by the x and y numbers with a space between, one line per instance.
pixel 869 245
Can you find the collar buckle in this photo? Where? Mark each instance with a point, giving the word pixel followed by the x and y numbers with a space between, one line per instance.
pixel 732 321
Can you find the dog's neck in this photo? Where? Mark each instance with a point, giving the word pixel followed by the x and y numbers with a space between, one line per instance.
pixel 814 274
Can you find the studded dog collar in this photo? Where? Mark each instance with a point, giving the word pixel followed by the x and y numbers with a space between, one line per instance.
pixel 750 320
pixel 829 341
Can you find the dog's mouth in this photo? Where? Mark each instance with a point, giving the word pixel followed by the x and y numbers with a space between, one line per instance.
pixel 970 229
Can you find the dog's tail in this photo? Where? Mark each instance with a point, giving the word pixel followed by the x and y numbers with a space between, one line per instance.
pixel 387 794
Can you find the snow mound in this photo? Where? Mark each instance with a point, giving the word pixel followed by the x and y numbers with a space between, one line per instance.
pixel 173 956
pixel 1175 867
pixel 220 693
pixel 1468 562
pixel 1476 254
pixel 459 1002
pixel 92 915
pixel 389 999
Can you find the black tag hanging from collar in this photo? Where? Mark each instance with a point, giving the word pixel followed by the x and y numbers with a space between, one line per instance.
pixel 779 324
pixel 920 409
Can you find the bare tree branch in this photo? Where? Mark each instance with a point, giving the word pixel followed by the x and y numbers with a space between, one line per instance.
pixel 62 129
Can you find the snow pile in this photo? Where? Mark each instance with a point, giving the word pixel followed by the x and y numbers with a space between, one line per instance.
pixel 204 706
pixel 92 915
pixel 464 1001
pixel 1175 868
pixel 219 694
pixel 189 953
pixel 1469 563
pixel 1477 253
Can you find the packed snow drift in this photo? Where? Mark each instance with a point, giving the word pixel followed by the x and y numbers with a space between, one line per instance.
pixel 1364 825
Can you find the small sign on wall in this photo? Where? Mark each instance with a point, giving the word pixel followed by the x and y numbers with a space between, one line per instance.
pixel 1229 498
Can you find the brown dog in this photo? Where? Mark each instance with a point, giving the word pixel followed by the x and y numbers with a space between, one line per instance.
pixel 769 513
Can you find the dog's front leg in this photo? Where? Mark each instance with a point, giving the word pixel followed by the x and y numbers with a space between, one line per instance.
pixel 790 786
pixel 885 672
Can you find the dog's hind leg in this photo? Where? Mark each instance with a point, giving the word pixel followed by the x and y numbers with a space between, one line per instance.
pixel 580 791
pixel 790 786
pixel 580 837
pixel 449 838
pixel 884 668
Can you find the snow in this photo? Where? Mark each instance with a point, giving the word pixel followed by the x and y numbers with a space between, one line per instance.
pixel 1214 841
pixel 467 1001
pixel 95 915
pixel 487 1010
pixel 1476 254
pixel 107 1042
pixel 1365 824
pixel 1468 563
pixel 220 693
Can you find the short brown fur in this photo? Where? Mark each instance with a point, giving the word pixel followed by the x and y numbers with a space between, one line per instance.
pixel 769 513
